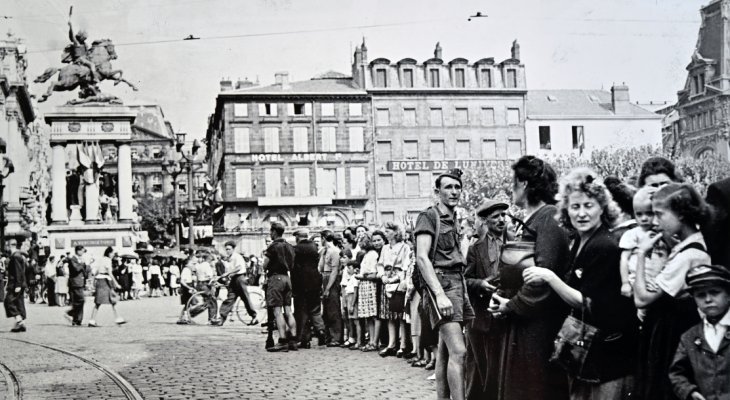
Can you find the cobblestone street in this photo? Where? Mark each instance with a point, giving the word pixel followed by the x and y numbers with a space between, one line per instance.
pixel 162 360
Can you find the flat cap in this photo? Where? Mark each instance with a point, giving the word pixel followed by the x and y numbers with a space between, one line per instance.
pixel 702 275
pixel 490 205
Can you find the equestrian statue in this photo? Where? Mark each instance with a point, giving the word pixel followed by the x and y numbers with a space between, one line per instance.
pixel 87 67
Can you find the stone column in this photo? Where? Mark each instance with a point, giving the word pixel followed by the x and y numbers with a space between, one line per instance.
pixel 124 181
pixel 59 212
pixel 91 195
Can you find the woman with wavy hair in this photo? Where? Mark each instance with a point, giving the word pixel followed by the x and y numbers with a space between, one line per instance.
pixel 592 289
pixel 679 211
pixel 532 314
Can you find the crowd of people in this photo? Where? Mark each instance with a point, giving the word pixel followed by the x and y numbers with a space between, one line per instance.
pixel 579 286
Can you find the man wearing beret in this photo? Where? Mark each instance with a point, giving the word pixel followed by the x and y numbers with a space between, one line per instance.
pixel 482 266
pixel 701 366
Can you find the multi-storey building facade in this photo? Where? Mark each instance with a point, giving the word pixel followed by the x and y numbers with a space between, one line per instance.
pixel 435 115
pixel 564 122
pixel 294 152
pixel 22 189
pixel 704 102
pixel 153 142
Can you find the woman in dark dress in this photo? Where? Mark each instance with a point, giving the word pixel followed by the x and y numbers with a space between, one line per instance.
pixel 532 314
pixel 593 290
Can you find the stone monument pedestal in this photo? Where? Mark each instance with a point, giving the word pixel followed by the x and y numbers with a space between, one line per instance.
pixel 87 126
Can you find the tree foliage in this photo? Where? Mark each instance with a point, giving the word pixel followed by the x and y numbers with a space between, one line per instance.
pixel 156 214
pixel 625 164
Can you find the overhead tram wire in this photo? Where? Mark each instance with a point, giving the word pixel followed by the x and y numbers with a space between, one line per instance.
pixel 264 34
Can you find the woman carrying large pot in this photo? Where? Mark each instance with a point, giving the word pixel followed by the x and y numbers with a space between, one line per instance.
pixel 593 290
pixel 532 314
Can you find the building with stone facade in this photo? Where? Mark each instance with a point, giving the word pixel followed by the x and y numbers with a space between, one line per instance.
pixel 438 114
pixel 295 152
pixel 565 122
pixel 25 189
pixel 704 101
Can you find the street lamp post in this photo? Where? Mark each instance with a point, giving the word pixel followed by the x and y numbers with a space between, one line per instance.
pixel 7 169
pixel 190 162
pixel 174 169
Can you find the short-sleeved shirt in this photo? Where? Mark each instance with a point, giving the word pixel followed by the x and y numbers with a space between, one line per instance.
pixel 448 253
pixel 281 257
pixel 672 278
pixel 203 271
pixel 331 259
pixel 236 263
pixel 186 275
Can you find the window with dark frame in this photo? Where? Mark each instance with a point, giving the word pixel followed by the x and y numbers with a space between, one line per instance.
pixel 299 108
pixel 381 77
pixel 578 138
pixel 408 78
pixel 434 78
pixel 485 77
pixel 544 132
pixel 459 78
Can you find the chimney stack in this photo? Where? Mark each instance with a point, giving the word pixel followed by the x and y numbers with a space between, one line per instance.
pixel 245 83
pixel 620 99
pixel 364 51
pixel 282 79
pixel 515 50
pixel 226 84
pixel 437 53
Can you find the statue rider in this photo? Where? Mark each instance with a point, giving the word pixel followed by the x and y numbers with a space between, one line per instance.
pixel 79 51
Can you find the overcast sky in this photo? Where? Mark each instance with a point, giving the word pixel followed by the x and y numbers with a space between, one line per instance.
pixel 564 43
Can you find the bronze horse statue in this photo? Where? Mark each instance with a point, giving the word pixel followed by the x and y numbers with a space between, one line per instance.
pixel 78 75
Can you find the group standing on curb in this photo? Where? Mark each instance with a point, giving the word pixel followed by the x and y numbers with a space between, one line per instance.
pixel 580 287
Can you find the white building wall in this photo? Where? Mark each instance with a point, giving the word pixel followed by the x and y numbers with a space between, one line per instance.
pixel 598 134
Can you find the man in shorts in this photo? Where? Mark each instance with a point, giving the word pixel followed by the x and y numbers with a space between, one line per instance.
pixel 278 260
pixel 445 296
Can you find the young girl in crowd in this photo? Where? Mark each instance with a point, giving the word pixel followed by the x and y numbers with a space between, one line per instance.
pixel 678 212
pixel 367 302
pixel 356 338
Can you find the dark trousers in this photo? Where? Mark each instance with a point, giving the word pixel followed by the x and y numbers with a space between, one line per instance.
pixel 237 288
pixel 210 303
pixel 332 311
pixel 307 309
pixel 76 295
pixel 15 303
pixel 51 292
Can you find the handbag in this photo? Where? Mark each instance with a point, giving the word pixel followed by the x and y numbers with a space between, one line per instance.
pixel 573 344
pixel 514 257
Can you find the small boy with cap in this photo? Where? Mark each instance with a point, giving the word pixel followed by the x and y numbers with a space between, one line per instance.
pixel 701 366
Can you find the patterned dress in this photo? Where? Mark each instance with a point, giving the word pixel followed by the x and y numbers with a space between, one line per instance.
pixel 367 300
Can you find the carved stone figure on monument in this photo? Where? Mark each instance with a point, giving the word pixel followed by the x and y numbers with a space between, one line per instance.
pixel 87 67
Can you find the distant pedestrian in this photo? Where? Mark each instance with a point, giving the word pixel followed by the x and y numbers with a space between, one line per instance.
pixel 278 260
pixel 17 285
pixel 137 278
pixel 49 273
pixel 105 284
pixel 236 269
pixel 78 273
pixel 62 272
pixel 155 277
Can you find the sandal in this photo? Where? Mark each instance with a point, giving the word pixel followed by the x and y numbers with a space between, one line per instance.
pixel 356 346
pixel 369 348
pixel 430 366
pixel 399 353
pixel 420 363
